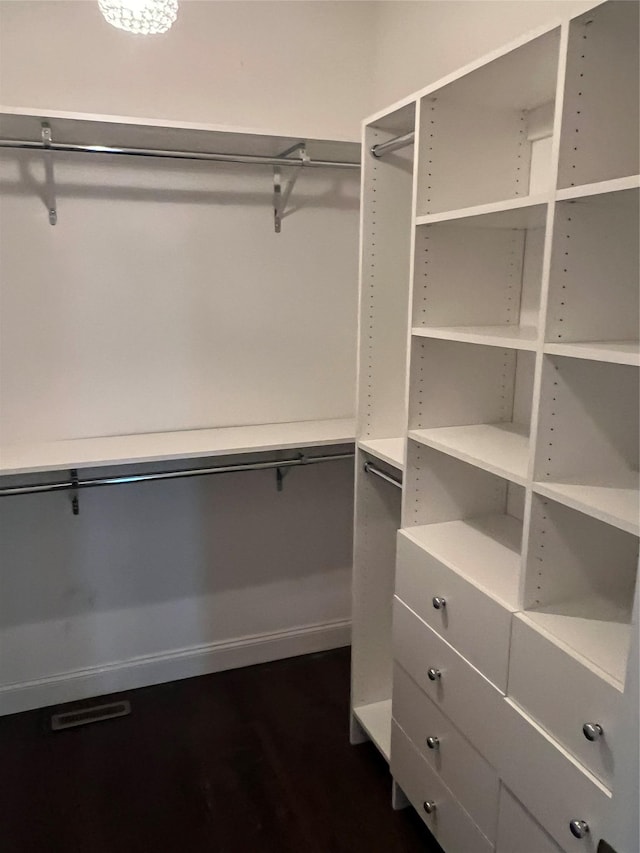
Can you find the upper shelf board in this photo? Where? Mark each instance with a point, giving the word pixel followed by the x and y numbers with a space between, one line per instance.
pixel 24 123
pixel 601 187
pixel 164 446
pixel 614 352
pixel 513 337
pixel 526 212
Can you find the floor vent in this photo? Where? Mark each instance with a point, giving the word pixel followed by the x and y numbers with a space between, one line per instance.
pixel 91 714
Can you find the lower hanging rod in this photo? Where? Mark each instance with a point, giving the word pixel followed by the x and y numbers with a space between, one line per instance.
pixel 249 159
pixel 394 144
pixel 68 485
pixel 370 468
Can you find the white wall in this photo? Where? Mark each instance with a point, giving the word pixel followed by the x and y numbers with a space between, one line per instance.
pixel 164 300
pixel 419 41
pixel 298 68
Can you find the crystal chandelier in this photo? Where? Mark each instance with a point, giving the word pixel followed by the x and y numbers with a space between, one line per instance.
pixel 145 17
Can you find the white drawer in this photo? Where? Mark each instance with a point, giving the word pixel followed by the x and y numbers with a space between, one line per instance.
pixel 562 695
pixel 420 578
pixel 449 823
pixel 462 693
pixel 542 775
pixel 518 832
pixel 464 771
pixel 550 783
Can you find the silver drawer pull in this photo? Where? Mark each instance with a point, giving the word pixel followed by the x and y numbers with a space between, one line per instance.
pixel 434 674
pixel 429 806
pixel 438 602
pixel 592 731
pixel 433 743
pixel 579 828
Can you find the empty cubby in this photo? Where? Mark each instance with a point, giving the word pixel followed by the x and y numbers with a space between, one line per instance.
pixel 587 446
pixel 377 520
pixel 488 129
pixel 580 581
pixel 473 401
pixel 468 518
pixel 384 289
pixel 481 274
pixel 594 274
pixel 599 138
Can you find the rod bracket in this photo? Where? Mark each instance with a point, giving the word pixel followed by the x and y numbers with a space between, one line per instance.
pixel 281 473
pixel 281 194
pixel 50 189
pixel 75 502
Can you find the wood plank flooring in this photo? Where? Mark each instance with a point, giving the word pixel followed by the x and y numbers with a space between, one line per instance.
pixel 253 760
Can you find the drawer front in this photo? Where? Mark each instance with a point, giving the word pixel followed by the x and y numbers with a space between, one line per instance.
pixel 562 695
pixel 462 693
pixel 470 778
pixel 518 832
pixel 449 823
pixel 420 578
pixel 550 783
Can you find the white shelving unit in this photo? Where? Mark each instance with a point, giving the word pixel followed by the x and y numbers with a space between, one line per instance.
pixel 517 560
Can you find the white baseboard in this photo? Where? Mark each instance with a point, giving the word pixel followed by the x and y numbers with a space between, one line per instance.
pixel 173 665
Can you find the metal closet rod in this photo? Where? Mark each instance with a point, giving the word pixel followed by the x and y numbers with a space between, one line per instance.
pixel 392 144
pixel 370 468
pixel 73 484
pixel 250 159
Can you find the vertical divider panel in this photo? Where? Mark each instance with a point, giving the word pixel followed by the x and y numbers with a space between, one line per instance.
pixel 544 300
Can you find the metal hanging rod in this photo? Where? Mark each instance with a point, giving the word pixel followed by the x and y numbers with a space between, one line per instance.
pixel 249 159
pixel 73 483
pixel 370 468
pixel 392 144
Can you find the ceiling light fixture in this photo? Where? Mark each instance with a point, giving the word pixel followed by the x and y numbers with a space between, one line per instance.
pixel 143 17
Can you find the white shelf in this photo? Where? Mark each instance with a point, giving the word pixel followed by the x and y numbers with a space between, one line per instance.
pixel 138 132
pixel 617 505
pixel 513 337
pixel 390 450
pixel 614 352
pixel 603 642
pixel 501 448
pixel 162 446
pixel 526 212
pixel 375 719
pixel 611 186
pixel 484 550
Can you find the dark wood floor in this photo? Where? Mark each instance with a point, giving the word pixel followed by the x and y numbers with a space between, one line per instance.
pixel 254 760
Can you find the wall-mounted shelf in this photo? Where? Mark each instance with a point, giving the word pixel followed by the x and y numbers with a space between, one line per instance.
pixel 164 446
pixel 57 133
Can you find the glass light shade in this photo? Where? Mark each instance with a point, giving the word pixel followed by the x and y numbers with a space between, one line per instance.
pixel 144 17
